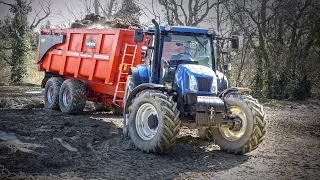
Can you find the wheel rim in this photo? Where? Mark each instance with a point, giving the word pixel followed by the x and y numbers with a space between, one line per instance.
pixel 50 95
pixel 66 97
pixel 233 135
pixel 147 121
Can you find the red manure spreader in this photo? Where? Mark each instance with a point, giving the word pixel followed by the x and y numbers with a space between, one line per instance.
pixel 94 64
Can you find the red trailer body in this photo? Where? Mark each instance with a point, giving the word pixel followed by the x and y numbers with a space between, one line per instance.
pixel 101 59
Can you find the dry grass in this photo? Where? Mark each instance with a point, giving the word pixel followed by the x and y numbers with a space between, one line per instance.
pixel 33 75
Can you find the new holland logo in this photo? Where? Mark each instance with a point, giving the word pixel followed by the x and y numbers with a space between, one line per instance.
pixel 91 43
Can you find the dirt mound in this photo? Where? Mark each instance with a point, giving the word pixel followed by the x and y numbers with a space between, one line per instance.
pixel 92 21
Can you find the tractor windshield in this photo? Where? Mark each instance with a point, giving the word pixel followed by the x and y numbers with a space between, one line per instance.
pixel 187 48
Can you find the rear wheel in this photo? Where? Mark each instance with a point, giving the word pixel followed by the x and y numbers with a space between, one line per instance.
pixel 245 135
pixel 154 121
pixel 51 93
pixel 72 96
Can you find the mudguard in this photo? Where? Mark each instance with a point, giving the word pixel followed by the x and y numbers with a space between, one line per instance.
pixel 140 88
pixel 47 42
pixel 234 90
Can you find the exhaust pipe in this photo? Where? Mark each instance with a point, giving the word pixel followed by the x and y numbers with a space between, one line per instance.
pixel 156 62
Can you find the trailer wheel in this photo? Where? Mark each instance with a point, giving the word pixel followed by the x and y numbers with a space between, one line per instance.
pixel 154 121
pixel 129 88
pixel 249 134
pixel 51 93
pixel 72 96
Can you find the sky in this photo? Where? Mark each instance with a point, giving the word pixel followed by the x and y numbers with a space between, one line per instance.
pixel 61 11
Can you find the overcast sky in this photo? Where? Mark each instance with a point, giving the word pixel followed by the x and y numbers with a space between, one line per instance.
pixel 76 8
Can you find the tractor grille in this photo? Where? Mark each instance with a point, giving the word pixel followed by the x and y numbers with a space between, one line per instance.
pixel 204 83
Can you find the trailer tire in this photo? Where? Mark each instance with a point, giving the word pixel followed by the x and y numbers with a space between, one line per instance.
pixel 51 93
pixel 72 96
pixel 129 88
pixel 255 131
pixel 154 121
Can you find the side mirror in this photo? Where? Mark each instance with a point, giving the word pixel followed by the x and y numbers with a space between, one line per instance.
pixel 235 42
pixel 138 35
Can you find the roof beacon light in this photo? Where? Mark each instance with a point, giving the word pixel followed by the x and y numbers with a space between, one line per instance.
pixel 168 28
pixel 210 31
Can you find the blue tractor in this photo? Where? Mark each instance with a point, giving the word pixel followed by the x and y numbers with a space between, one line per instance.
pixel 179 84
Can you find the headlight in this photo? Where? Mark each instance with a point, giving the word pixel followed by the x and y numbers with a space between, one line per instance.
pixel 214 87
pixel 193 85
pixel 167 28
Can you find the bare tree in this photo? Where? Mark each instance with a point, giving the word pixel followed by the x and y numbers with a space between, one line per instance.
pixel 153 11
pixel 108 8
pixel 188 14
pixel 45 6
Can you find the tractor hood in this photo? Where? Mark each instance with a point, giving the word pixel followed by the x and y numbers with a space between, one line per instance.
pixel 197 69
pixel 205 78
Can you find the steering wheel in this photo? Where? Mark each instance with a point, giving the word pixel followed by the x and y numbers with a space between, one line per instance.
pixel 184 53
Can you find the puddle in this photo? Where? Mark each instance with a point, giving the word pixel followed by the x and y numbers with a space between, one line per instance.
pixel 66 145
pixel 33 92
pixel 24 147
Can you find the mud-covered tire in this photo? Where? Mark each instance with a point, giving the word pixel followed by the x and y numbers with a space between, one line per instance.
pixel 72 96
pixel 51 93
pixel 168 124
pixel 255 131
pixel 129 88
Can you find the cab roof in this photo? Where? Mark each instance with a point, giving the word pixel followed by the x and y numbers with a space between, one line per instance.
pixel 184 29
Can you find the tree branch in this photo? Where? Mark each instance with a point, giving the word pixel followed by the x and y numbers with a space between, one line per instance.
pixel 46 9
pixel 8 4
pixel 5 59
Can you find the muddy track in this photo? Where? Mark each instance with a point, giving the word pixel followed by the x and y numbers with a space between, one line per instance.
pixel 91 145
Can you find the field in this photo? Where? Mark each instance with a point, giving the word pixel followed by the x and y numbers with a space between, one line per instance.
pixel 39 143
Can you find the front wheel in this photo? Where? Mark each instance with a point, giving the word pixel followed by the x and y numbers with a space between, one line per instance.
pixel 248 132
pixel 153 121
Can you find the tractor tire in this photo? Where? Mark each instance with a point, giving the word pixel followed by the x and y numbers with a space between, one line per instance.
pixel 72 96
pixel 153 121
pixel 102 106
pixel 51 93
pixel 255 128
pixel 129 88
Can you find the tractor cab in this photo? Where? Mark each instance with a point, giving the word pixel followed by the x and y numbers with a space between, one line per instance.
pixel 178 45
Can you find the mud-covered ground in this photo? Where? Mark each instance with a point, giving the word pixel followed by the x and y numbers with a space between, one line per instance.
pixel 39 143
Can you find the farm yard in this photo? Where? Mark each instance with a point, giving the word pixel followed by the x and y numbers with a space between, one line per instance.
pixel 38 143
